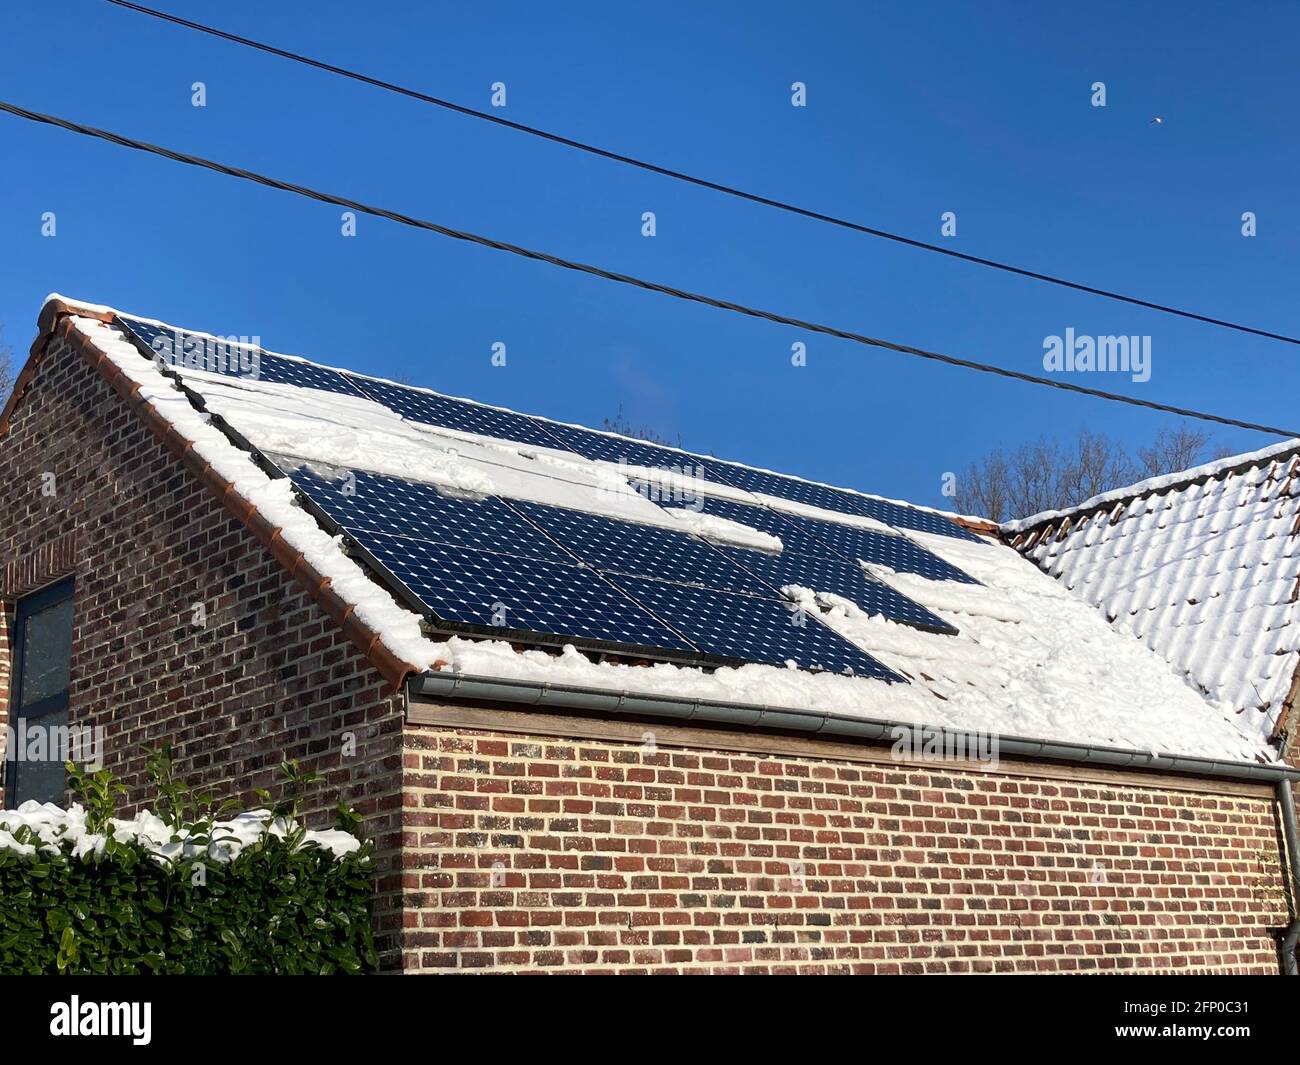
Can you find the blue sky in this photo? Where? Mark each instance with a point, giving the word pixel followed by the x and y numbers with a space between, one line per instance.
pixel 913 110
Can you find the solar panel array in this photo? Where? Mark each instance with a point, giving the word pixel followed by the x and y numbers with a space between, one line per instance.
pixel 503 594
pixel 529 571
pixel 513 568
pixel 447 412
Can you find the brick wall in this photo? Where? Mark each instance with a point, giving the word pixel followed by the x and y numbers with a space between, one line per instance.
pixel 528 852
pixel 266 676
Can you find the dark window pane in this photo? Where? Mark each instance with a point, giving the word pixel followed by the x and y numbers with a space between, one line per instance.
pixel 41 778
pixel 47 653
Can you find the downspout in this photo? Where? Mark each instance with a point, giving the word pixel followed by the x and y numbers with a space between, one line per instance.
pixel 1292 935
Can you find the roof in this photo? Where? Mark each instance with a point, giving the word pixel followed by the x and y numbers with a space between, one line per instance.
pixel 1013 652
pixel 1202 566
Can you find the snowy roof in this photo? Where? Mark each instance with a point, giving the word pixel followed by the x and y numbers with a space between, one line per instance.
pixel 1029 659
pixel 1201 566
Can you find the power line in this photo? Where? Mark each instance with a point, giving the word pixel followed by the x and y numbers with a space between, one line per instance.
pixel 625 279
pixel 677 175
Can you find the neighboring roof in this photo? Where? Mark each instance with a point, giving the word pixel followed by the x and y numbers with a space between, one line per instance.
pixel 1202 566
pixel 1028 658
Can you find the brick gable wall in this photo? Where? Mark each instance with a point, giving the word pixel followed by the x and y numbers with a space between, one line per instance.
pixel 267 676
pixel 530 853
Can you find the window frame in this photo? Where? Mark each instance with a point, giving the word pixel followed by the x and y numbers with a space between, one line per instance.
pixel 27 606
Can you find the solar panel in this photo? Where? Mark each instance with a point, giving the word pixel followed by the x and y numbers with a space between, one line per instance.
pixel 356 499
pixel 419 405
pixel 793 538
pixel 754 629
pixel 624 547
pixel 774 484
pixel 188 351
pixel 867 545
pixel 505 595
pixel 839 540
pixel 842 578
pixel 897 516
pixel 604 447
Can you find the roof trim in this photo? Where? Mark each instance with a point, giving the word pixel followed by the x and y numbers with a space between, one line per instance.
pixel 56 321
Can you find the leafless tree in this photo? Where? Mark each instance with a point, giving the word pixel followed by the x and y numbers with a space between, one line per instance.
pixel 1049 474
pixel 6 368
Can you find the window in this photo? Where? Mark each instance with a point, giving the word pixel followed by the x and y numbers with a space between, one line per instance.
pixel 38 704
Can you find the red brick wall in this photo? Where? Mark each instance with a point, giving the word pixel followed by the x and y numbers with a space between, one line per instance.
pixel 267 676
pixel 527 853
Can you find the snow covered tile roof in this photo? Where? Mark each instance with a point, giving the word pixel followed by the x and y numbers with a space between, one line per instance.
pixel 1202 566
pixel 1028 659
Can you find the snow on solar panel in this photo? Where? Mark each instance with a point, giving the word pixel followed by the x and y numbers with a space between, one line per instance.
pixel 750 628
pixel 826 498
pixel 792 536
pixel 430 408
pixel 842 578
pixel 837 540
pixel 900 517
pixel 500 594
pixel 604 447
pixel 189 351
pixel 773 484
pixel 623 547
pixel 356 499
pixel 885 549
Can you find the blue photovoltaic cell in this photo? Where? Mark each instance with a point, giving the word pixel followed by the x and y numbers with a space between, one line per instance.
pixel 897 516
pixel 187 351
pixel 489 590
pixel 749 628
pixel 404 508
pixel 774 484
pixel 624 547
pixel 849 542
pixel 880 548
pixel 433 409
pixel 842 578
pixel 894 515
pixel 793 538
pixel 602 447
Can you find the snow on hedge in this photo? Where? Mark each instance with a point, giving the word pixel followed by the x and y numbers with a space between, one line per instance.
pixel 55 831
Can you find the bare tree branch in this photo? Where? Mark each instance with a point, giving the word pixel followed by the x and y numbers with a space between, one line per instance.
pixel 619 424
pixel 1049 474
pixel 6 368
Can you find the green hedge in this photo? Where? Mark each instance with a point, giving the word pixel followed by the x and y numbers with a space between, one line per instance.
pixel 99 895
